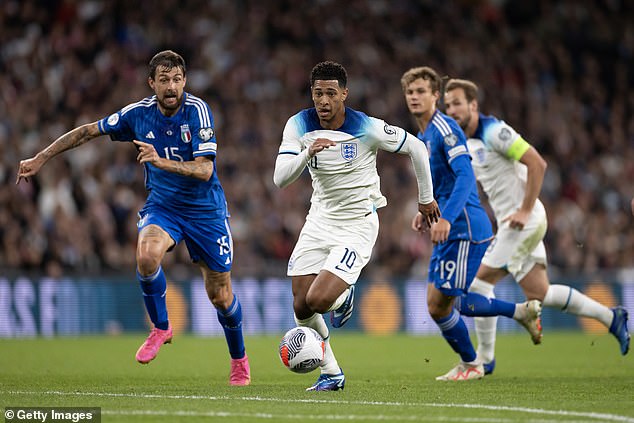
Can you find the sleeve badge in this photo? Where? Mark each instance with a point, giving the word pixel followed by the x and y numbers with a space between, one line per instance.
pixel 505 134
pixel 206 133
pixel 113 119
pixel 451 139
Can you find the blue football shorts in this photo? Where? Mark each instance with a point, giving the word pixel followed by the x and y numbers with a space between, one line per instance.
pixel 454 264
pixel 207 239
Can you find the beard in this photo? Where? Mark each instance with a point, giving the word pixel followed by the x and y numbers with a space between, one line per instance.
pixel 464 123
pixel 167 102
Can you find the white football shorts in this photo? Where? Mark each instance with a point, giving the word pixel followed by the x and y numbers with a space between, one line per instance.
pixel 343 248
pixel 519 251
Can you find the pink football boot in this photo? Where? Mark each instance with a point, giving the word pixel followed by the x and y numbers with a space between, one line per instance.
pixel 240 372
pixel 147 352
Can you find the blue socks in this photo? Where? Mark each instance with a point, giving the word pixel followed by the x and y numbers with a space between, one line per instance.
pixel 154 288
pixel 231 321
pixel 457 335
pixel 476 305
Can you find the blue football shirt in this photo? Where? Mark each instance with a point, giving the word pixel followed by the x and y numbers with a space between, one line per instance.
pixel 182 137
pixel 455 187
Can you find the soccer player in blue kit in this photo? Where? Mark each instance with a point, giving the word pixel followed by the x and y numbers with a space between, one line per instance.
pixel 461 235
pixel 176 143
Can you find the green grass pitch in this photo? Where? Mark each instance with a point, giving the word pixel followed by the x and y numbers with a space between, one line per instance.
pixel 571 377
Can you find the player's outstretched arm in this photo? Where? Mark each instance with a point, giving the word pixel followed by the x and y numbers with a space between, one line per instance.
pixel 71 139
pixel 200 168
pixel 420 161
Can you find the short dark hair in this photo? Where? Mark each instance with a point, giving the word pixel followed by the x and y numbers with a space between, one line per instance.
pixel 328 71
pixel 470 88
pixel 167 59
pixel 423 72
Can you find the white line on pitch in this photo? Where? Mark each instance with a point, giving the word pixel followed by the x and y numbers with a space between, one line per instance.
pixel 349 417
pixel 301 417
pixel 599 416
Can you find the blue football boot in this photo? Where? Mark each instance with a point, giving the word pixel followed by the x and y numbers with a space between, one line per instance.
pixel 489 367
pixel 618 328
pixel 329 382
pixel 340 316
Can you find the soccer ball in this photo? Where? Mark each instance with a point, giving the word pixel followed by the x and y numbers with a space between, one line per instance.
pixel 302 349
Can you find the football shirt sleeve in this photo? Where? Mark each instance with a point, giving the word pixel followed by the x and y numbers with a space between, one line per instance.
pixel 505 140
pixel 455 147
pixel 417 152
pixel 291 157
pixel 385 136
pixel 397 140
pixel 118 126
pixel 201 132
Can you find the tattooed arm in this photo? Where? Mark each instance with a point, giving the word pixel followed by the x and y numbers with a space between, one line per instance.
pixel 200 168
pixel 71 139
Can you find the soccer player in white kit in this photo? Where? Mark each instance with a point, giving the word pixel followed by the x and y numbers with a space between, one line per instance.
pixel 339 146
pixel 511 172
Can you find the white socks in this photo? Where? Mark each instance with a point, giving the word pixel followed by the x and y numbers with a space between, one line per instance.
pixel 571 301
pixel 485 327
pixel 316 321
pixel 561 297
pixel 340 300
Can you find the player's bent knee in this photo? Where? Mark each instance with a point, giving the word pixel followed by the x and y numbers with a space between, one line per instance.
pixel 221 302
pixel 535 294
pixel 147 264
pixel 438 311
pixel 318 303
pixel 218 287
pixel 535 284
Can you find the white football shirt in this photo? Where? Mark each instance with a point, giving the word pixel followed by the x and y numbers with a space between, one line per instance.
pixel 495 150
pixel 345 181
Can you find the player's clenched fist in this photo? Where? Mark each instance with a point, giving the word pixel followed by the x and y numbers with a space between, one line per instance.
pixel 27 168
pixel 319 145
pixel 430 213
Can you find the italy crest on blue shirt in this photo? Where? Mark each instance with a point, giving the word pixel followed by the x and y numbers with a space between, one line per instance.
pixel 186 134
pixel 349 150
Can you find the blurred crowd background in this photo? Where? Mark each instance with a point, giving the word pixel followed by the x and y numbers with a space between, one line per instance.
pixel 560 72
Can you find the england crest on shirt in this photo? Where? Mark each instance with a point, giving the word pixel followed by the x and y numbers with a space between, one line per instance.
pixel 186 135
pixel 349 150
